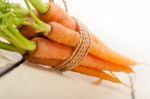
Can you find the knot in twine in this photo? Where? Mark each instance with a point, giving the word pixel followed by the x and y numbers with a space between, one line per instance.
pixel 79 52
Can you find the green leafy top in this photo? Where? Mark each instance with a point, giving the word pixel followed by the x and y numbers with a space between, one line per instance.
pixel 13 15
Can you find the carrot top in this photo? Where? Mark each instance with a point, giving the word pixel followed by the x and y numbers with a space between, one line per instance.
pixel 12 16
pixel 40 6
pixel 38 24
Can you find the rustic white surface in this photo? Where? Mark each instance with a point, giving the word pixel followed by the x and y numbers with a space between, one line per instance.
pixel 28 82
pixel 121 24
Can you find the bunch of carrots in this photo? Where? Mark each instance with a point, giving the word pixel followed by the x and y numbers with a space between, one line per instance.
pixel 48 36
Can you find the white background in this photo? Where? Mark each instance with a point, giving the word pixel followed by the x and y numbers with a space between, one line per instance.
pixel 124 25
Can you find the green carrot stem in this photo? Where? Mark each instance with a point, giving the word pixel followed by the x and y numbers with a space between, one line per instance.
pixel 10 18
pixel 12 34
pixel 11 38
pixel 40 6
pixel 39 25
pixel 28 45
pixel 10 47
pixel 14 37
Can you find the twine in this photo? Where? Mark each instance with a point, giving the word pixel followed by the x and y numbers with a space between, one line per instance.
pixel 80 51
pixel 65 5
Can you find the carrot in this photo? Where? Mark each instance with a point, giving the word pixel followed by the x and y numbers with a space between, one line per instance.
pixel 28 31
pixel 90 71
pixel 47 50
pixel 57 14
pixel 69 37
pixel 95 73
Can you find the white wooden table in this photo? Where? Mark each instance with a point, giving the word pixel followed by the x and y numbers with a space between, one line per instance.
pixel 28 82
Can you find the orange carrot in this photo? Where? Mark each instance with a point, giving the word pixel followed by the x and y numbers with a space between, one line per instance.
pixel 90 71
pixel 69 37
pixel 57 14
pixel 47 50
pixel 28 31
pixel 95 73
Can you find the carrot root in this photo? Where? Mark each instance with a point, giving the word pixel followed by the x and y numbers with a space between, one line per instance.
pixel 95 73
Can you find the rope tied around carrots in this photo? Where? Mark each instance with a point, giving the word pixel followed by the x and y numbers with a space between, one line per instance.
pixel 80 51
